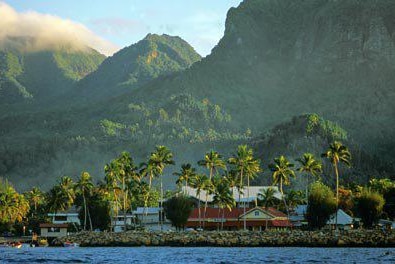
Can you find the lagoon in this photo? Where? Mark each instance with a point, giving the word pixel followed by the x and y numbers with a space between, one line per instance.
pixel 169 255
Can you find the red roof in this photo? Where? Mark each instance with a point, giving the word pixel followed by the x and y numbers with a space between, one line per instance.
pixel 48 225
pixel 233 214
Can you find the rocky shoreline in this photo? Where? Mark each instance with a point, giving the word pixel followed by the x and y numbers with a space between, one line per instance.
pixel 295 238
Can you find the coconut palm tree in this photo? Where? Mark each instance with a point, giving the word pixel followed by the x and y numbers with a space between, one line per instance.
pixel 13 205
pixel 67 188
pixel 120 173
pixel 337 153
pixel 246 165
pixel 198 182
pixel 36 197
pixel 61 196
pixel 310 166
pixel 267 196
pixel 212 161
pixel 281 172
pixel 161 158
pixel 84 187
pixel 222 197
pixel 185 175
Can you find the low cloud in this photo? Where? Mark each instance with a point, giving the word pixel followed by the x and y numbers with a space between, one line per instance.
pixel 32 31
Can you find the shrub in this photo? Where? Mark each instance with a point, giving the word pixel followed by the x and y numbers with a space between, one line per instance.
pixel 369 206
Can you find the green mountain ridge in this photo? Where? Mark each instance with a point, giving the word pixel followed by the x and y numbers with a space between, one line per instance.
pixel 134 66
pixel 43 74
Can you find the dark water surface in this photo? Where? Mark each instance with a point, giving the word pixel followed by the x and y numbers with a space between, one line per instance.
pixel 167 255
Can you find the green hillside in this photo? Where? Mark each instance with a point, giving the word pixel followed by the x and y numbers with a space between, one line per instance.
pixel 134 66
pixel 41 75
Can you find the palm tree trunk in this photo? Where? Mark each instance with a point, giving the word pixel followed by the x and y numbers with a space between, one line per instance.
pixel 83 197
pixel 200 220
pixel 337 193
pixel 124 204
pixel 90 220
pixel 161 204
pixel 223 218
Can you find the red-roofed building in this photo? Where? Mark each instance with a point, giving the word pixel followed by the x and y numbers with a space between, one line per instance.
pixel 257 218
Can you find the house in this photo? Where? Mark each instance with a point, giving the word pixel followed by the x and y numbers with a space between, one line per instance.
pixel 298 216
pixel 69 216
pixel 151 217
pixel 246 197
pixel 118 223
pixel 50 230
pixel 257 219
pixel 344 221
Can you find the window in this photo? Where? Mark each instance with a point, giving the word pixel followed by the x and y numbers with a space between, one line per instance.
pixel 60 218
pixel 53 229
pixel 256 213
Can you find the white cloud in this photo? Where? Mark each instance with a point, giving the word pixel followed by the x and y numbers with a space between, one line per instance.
pixel 45 31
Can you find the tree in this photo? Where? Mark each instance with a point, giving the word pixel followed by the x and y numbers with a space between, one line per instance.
pixel 282 171
pixel 212 161
pixel 61 196
pixel 119 173
pixel 161 158
pixel 310 166
pixel 295 198
pixel 177 210
pixel 337 153
pixel 84 188
pixel 321 205
pixel 246 165
pixel 14 206
pixel 35 197
pixel 198 182
pixel 223 197
pixel 185 175
pixel 369 206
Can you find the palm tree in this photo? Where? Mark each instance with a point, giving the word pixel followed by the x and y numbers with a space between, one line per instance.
pixel 295 198
pixel 185 175
pixel 310 166
pixel 84 187
pixel 161 158
pixel 337 153
pixel 212 161
pixel 222 197
pixel 61 196
pixel 121 172
pixel 282 171
pixel 246 165
pixel 14 206
pixel 36 197
pixel 198 182
pixel 268 198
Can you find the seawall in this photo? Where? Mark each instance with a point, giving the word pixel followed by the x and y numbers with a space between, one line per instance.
pixel 294 238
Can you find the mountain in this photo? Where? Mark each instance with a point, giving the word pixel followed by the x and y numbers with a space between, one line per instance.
pixel 39 75
pixel 280 58
pixel 134 66
pixel 277 61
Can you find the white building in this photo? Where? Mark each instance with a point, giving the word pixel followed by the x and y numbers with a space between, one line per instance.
pixel 151 217
pixel 118 222
pixel 69 216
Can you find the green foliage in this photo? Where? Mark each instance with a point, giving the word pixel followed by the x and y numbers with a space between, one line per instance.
pixel 328 129
pixel 178 209
pixel 369 206
pixel 321 205
pixel 13 206
pixel 111 128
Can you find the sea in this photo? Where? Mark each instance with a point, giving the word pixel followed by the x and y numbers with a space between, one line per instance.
pixel 168 255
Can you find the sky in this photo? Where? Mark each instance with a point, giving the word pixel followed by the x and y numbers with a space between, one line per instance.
pixel 119 23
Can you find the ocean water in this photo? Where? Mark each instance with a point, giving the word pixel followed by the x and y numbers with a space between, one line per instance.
pixel 168 255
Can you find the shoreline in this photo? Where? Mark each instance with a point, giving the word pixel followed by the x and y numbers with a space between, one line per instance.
pixel 295 238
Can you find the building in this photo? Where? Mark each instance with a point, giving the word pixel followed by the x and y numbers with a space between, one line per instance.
pixel 344 221
pixel 257 219
pixel 50 230
pixel 63 217
pixel 118 223
pixel 246 197
pixel 151 217
pixel 298 216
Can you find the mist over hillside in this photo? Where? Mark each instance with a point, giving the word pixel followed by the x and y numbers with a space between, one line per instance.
pixel 278 60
